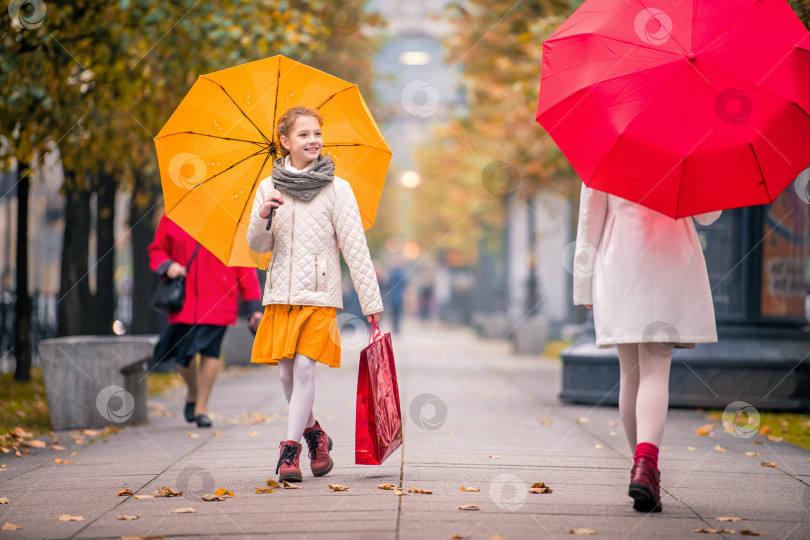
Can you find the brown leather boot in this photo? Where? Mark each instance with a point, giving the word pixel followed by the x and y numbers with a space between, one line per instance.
pixel 319 444
pixel 287 468
pixel 644 487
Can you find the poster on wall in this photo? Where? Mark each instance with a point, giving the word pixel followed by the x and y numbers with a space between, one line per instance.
pixel 784 251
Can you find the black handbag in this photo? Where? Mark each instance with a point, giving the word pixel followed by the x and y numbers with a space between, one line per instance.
pixel 170 294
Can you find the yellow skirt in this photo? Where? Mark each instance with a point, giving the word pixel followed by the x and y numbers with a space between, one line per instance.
pixel 308 330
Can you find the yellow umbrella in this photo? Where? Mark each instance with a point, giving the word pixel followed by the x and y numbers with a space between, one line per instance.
pixel 219 144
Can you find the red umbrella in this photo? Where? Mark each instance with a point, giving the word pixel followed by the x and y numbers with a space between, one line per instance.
pixel 684 107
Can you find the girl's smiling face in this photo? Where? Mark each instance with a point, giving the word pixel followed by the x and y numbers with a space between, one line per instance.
pixel 304 142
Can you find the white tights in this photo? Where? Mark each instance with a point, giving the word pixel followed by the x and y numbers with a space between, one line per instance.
pixel 644 390
pixel 298 381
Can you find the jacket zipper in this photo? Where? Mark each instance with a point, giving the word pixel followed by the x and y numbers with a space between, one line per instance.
pixel 292 245
pixel 316 273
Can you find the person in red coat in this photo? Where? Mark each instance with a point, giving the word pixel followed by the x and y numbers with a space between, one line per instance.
pixel 211 305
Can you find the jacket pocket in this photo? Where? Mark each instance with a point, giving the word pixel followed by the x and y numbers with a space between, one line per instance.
pixel 320 274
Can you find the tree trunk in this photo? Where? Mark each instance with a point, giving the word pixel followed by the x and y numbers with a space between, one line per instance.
pixel 74 289
pixel 141 221
pixel 104 299
pixel 22 307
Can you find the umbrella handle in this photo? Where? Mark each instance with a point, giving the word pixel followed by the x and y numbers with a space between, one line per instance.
pixel 270 219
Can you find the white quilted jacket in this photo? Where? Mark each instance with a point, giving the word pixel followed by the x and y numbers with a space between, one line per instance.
pixel 304 238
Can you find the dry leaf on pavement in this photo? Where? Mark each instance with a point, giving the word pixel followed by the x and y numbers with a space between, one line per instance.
pixel 456 537
pixel 691 448
pixel 545 421
pixel 388 486
pixel 494 457
pixel 612 423
pixel 774 438
pixel 143 496
pixel 752 453
pixel 712 531
pixel 336 487
pixel 57 460
pixel 264 490
pixel 222 492
pixel 253 433
pixel 765 429
pixel 581 420
pixel 272 483
pixel 469 489
pixel 58 447
pixel 124 492
pixel 127 518
pixel 185 510
pixel 10 527
pixel 766 464
pixel 34 443
pixel 167 492
pixel 581 531
pixel 728 519
pixel 746 532
pixel 91 432
pixel 415 490
pixel 757 441
pixel 468 507
pixel 194 435
pixel 68 517
pixel 211 497
pixel 706 430
pixel 288 485
pixel 3 500
pixel 540 487
pixel 719 448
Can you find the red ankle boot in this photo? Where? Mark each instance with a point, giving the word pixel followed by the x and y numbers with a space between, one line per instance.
pixel 319 444
pixel 287 468
pixel 644 486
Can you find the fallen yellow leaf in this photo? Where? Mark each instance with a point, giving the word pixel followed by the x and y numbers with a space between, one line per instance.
pixel 612 423
pixel 272 483
pixel 757 441
pixel 91 432
pixel 62 461
pixel 34 443
pixel 545 421
pixel 766 464
pixel 185 510
pixel 540 490
pixel 194 435
pixel 581 531
pixel 598 446
pixel 223 491
pixel 468 507
pixel 752 453
pixel 57 447
pixel 11 527
pixel 774 438
pixel 415 490
pixel 728 519
pixel 143 496
pixel 457 537
pixel 288 485
pixel 68 517
pixel 764 430
pixel 494 457
pixel 581 420
pixel 746 532
pixel 3 500
pixel 389 486
pixel 691 448
pixel 253 433
pixel 713 531
pixel 264 490
pixel 469 489
pixel 719 448
pixel 124 492
pixel 127 518
pixel 336 487
pixel 167 492
pixel 706 430
pixel 210 497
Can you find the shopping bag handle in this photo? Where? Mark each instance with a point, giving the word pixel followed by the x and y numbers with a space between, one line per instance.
pixel 375 332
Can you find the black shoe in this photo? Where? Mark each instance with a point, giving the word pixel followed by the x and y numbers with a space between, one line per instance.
pixel 189 412
pixel 203 421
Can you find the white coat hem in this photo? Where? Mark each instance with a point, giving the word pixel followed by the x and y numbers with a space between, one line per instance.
pixel 685 342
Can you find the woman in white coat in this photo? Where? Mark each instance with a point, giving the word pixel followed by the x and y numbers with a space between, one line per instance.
pixel 315 214
pixel 645 277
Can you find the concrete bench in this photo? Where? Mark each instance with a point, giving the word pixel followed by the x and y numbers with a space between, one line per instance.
pixel 94 381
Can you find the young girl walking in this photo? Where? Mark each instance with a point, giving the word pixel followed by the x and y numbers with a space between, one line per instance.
pixel 315 214
pixel 645 277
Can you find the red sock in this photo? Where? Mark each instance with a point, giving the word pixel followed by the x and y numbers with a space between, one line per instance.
pixel 647 451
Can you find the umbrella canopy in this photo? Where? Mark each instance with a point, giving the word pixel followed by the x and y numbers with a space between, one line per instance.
pixel 684 107
pixel 220 144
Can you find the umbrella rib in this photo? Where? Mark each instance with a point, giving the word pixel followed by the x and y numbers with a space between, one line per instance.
pixel 318 108
pixel 242 213
pixel 209 179
pixel 212 136
pixel 240 110
pixel 761 174
pixel 275 103
pixel 387 151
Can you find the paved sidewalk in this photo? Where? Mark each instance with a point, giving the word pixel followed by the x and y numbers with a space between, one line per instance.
pixel 475 415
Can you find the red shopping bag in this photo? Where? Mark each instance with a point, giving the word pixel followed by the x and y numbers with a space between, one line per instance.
pixel 378 431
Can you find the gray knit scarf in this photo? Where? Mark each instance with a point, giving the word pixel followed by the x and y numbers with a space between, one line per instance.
pixel 304 185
